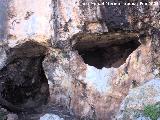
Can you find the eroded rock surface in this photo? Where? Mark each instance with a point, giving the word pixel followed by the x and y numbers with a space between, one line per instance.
pixel 3 57
pixel 138 98
pixel 85 89
pixel 51 117
pixel 28 20
pixel 69 32
pixel 12 117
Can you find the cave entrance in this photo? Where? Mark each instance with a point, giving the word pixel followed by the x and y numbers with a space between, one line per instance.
pixel 109 50
pixel 24 83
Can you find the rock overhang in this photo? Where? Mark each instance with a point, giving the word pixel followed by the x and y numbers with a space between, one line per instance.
pixel 82 41
pixel 107 49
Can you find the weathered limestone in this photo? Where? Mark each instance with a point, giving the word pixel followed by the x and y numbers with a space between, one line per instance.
pixel 3 57
pixel 81 24
pixel 86 41
pixel 3 19
pixel 85 89
pixel 29 20
pixel 12 117
pixel 88 92
pixel 51 117
pixel 137 98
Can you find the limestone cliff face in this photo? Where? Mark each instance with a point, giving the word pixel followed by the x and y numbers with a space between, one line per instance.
pixel 94 54
pixel 28 21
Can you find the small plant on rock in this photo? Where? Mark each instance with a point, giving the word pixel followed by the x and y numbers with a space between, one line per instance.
pixel 2 115
pixel 152 111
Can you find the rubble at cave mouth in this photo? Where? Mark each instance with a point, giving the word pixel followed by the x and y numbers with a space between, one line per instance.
pixel 107 52
pixel 23 81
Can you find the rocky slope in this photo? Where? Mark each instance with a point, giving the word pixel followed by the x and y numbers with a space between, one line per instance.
pixel 89 58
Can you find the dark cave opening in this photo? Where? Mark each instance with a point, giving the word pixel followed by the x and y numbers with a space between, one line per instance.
pixel 112 55
pixel 23 81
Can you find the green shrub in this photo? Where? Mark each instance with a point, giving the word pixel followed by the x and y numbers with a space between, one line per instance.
pixel 2 115
pixel 152 111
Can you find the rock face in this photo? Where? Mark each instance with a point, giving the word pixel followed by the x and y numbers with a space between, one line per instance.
pixel 85 89
pixel 31 22
pixel 93 54
pixel 3 57
pixel 138 98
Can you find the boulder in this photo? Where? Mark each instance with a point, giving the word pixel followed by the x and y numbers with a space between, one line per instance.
pixel 137 98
